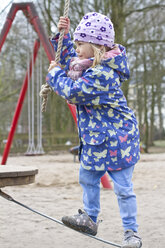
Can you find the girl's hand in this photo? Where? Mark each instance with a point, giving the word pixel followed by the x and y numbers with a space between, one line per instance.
pixel 64 23
pixel 52 65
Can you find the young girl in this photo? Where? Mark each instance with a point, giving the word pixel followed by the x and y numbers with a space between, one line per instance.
pixel 90 78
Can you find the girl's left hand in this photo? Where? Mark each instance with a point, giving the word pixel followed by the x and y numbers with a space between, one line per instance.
pixel 64 23
pixel 52 65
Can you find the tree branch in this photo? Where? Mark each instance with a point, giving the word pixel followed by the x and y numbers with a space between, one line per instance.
pixel 148 8
pixel 144 42
pixel 6 97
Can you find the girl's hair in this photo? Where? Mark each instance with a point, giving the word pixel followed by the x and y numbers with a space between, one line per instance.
pixel 99 52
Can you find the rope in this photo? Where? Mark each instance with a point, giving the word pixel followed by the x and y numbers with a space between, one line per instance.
pixel 46 89
pixel 29 104
pixel 32 103
pixel 9 198
pixel 31 146
pixel 39 148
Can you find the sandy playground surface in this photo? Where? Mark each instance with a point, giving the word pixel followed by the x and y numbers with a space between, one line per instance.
pixel 56 192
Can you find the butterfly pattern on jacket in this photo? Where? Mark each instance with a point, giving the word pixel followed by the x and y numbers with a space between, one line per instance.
pixel 107 127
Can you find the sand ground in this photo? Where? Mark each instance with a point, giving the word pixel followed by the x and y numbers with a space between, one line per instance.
pixel 56 192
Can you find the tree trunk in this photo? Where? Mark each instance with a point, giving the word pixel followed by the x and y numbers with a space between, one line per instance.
pixel 146 131
pixel 118 19
pixel 159 104
pixel 151 136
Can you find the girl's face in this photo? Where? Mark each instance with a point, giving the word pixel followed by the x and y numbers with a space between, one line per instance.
pixel 84 50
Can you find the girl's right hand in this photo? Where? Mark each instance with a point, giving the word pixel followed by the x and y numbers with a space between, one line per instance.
pixel 64 23
pixel 52 65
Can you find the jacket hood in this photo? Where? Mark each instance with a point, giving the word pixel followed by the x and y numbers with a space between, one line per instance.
pixel 119 63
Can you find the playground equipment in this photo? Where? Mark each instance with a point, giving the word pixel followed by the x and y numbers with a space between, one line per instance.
pixel 32 16
pixel 32 111
pixel 13 175
pixel 16 175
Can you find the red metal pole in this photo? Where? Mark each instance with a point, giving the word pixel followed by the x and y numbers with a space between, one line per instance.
pixel 105 182
pixel 43 38
pixel 7 26
pixel 73 111
pixel 4 32
pixel 19 105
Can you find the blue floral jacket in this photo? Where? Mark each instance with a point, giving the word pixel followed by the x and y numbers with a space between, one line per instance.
pixel 108 130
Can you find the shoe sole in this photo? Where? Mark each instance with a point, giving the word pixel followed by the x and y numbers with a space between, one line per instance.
pixel 79 228
pixel 130 246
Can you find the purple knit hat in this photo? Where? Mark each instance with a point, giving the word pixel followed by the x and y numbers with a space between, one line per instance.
pixel 95 28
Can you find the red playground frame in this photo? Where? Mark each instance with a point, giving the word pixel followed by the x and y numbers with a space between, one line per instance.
pixel 31 14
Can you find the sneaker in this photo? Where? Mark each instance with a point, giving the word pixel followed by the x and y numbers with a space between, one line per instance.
pixel 81 222
pixel 131 240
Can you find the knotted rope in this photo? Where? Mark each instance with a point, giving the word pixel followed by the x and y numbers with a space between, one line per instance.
pixel 45 88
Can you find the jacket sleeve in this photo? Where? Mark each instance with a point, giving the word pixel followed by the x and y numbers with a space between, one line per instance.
pixel 67 51
pixel 94 88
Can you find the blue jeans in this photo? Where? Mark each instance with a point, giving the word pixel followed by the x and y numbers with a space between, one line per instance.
pixel 123 188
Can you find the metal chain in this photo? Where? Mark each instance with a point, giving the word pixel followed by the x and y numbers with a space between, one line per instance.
pixel 46 89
